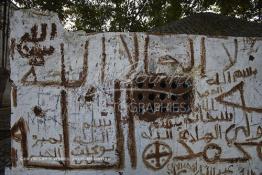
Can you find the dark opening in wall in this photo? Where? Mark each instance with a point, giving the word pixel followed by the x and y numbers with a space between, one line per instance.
pixel 157 96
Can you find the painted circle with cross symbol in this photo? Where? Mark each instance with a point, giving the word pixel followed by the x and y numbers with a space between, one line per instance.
pixel 156 155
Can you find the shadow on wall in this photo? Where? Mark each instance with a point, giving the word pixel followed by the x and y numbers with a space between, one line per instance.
pixel 4 88
pixel 5 112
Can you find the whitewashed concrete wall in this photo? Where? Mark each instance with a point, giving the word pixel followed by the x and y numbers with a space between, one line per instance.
pixel 133 103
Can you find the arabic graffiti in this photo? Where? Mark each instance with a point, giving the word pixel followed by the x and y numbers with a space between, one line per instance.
pixel 134 103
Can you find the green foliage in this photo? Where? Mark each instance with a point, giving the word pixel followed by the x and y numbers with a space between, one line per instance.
pixel 139 15
pixel 57 6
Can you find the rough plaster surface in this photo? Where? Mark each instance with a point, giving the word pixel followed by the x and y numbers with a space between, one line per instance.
pixel 82 104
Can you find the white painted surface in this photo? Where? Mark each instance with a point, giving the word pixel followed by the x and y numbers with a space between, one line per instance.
pixel 49 131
